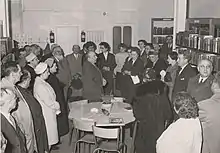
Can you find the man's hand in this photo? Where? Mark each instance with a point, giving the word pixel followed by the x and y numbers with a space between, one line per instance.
pixel 106 68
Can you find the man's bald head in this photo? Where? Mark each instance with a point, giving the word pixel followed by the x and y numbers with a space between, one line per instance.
pixel 205 67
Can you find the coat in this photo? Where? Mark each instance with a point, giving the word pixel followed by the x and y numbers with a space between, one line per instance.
pixel 127 86
pixel 33 76
pixel 200 91
pixel 62 118
pixel 75 64
pixel 38 120
pixel 64 74
pixel 108 75
pixel 46 96
pixel 182 79
pixel 92 82
pixel 209 112
pixel 158 67
pixel 15 138
pixel 22 115
pixel 151 108
pixel 165 50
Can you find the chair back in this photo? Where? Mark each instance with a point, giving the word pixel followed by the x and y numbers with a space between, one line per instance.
pixel 83 125
pixel 106 133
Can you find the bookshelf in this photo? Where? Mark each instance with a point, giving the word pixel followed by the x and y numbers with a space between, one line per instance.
pixel 160 28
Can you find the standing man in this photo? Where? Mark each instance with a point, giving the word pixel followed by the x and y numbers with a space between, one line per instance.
pixel 199 87
pixel 209 112
pixel 32 62
pixel 75 61
pixel 184 73
pixel 12 74
pixel 167 47
pixel 92 79
pixel 106 63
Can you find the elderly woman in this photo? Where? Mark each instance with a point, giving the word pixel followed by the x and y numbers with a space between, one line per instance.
pixel 186 129
pixel 152 109
pixel 133 67
pixel 46 96
pixel 62 118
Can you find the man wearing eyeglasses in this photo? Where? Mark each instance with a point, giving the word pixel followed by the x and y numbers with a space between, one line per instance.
pixel 199 86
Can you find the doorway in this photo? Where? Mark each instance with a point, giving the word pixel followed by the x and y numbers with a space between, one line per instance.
pixel 66 37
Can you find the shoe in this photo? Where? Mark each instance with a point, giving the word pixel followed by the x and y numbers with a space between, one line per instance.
pixel 54 148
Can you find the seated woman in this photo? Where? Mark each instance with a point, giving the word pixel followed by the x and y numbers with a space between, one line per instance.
pixel 152 109
pixel 184 135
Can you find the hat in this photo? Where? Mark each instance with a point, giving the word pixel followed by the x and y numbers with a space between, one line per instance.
pixel 30 57
pixel 40 68
pixel 49 62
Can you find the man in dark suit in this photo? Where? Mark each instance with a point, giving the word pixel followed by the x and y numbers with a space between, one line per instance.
pixel 184 73
pixel 199 87
pixel 32 62
pixel 63 73
pixel 106 63
pixel 36 112
pixel 157 63
pixel 92 79
pixel 167 47
pixel 9 128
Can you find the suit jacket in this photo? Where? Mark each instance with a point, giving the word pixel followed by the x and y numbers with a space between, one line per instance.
pixel 110 62
pixel 209 112
pixel 92 81
pixel 182 79
pixel 200 91
pixel 164 51
pixel 33 76
pixel 15 138
pixel 75 64
pixel 38 120
pixel 145 59
pixel 136 69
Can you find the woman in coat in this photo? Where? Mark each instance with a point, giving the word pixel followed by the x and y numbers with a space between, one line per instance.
pixel 152 109
pixel 46 96
pixel 62 118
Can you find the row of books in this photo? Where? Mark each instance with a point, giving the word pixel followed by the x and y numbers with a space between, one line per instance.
pixel 163 30
pixel 196 56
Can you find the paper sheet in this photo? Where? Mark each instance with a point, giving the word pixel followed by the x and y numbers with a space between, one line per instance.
pixel 135 79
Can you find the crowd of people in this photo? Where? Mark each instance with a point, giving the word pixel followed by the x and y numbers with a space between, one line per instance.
pixel 176 105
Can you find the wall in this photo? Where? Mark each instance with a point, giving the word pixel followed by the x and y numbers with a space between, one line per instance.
pixel 40 16
pixel 204 9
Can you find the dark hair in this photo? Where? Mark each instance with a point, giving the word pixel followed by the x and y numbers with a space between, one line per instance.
pixel 135 49
pixel 153 52
pixel 9 67
pixel 122 45
pixel 185 105
pixel 186 54
pixel 173 55
pixel 25 76
pixel 106 45
pixel 150 44
pixel 144 41
pixel 90 43
pixel 169 36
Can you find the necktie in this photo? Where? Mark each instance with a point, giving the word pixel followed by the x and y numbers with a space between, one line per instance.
pixel 201 81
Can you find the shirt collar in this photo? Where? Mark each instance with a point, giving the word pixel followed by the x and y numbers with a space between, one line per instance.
pixel 204 78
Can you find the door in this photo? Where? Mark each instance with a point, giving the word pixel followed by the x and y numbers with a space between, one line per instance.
pixel 66 37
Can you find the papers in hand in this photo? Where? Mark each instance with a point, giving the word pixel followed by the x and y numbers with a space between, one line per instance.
pixel 135 79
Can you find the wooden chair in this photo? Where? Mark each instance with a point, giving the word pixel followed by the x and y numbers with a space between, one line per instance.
pixel 108 140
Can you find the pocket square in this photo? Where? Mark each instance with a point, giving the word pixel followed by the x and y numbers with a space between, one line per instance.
pixel 182 79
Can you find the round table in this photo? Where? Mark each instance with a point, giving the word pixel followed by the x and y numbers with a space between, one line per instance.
pixel 83 113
